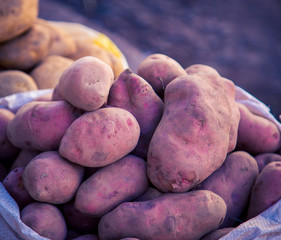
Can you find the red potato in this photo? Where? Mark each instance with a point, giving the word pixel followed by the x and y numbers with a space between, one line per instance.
pixel 266 190
pixel 41 125
pixel 149 194
pixel 192 138
pixel 78 221
pixel 57 96
pixel 257 134
pixel 266 158
pixel 50 178
pixel 13 183
pixel 45 219
pixel 118 182
pixel 86 83
pixel 211 74
pixel 24 158
pixel 159 70
pixel 217 234
pixel 233 182
pixel 7 149
pixel 172 216
pixel 131 92
pixel 101 137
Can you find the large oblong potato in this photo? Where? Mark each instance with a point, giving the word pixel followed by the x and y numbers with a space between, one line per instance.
pixel 40 125
pixel 118 182
pixel 86 83
pixel 16 17
pixel 173 216
pixel 100 137
pixel 50 178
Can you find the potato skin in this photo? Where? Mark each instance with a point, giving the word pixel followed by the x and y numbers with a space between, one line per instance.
pixel 131 92
pixel 159 70
pixel 13 183
pixel 15 81
pixel 257 134
pixel 233 182
pixel 192 138
pixel 118 182
pixel 265 158
pixel 266 190
pixel 17 16
pixel 26 50
pixel 101 137
pixel 50 178
pixel 7 149
pixel 86 83
pixel 40 125
pixel 45 219
pixel 172 216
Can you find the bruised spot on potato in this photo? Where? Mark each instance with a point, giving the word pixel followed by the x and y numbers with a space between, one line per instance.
pixel 149 205
pixel 244 169
pixel 106 225
pixel 99 156
pixel 170 223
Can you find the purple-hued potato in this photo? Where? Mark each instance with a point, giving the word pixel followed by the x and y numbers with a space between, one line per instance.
pixel 45 219
pixel 149 194
pixel 24 157
pixel 57 96
pixel 131 92
pixel 175 216
pixel 41 125
pixel 266 190
pixel 233 182
pixel 217 234
pixel 87 237
pixel 211 75
pixel 257 134
pixel 265 158
pixel 7 149
pixel 78 221
pixel 118 182
pixel 100 137
pixel 192 139
pixel 159 70
pixel 50 178
pixel 13 183
pixel 86 83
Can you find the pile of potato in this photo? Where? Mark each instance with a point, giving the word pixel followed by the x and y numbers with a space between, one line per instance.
pixel 163 153
pixel 35 52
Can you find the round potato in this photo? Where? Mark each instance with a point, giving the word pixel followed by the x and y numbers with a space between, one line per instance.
pixel 15 81
pixel 16 17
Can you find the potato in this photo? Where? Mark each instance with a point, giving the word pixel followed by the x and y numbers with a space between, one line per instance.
pixel 233 182
pixel 7 149
pixel 48 72
pixel 16 17
pixel 118 182
pixel 50 178
pixel 212 75
pixel 217 234
pixel 62 44
pixel 56 96
pixel 45 219
pixel 131 92
pixel 192 138
pixel 86 83
pixel 266 158
pixel 159 70
pixel 87 237
pixel 26 50
pixel 24 158
pixel 266 190
pixel 78 221
pixel 257 134
pixel 149 194
pixel 99 138
pixel 15 81
pixel 13 183
pixel 172 216
pixel 41 125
